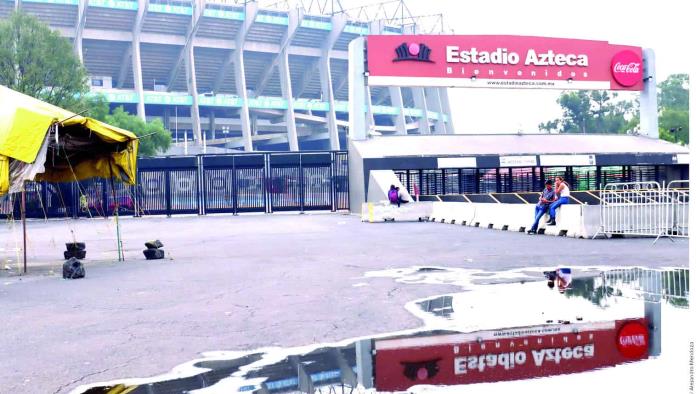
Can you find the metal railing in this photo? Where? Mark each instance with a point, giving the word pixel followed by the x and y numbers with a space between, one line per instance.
pixel 649 284
pixel 644 209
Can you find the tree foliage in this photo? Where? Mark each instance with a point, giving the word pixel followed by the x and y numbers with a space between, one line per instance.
pixel 37 61
pixel 154 137
pixel 673 99
pixel 599 111
pixel 593 112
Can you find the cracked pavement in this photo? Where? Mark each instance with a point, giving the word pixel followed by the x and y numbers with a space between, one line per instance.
pixel 238 283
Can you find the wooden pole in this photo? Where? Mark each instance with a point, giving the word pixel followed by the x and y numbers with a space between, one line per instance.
pixel 23 211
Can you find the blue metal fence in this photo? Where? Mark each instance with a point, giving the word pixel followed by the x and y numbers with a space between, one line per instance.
pixel 254 182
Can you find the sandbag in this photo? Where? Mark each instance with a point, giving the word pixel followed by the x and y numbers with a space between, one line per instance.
pixel 153 254
pixel 73 269
pixel 156 244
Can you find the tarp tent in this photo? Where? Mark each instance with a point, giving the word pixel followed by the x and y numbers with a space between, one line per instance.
pixel 39 141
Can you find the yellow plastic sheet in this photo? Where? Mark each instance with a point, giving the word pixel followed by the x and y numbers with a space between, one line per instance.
pixel 24 122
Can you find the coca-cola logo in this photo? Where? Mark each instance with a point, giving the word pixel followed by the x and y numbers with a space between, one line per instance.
pixel 632 340
pixel 627 68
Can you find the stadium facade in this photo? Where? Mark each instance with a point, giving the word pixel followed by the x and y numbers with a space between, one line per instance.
pixel 238 76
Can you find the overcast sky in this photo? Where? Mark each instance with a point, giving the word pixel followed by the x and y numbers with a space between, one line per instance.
pixel 663 25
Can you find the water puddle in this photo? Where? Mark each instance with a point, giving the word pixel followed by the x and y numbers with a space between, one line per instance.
pixel 523 299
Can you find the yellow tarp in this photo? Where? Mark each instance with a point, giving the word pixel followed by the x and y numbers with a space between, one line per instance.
pixel 24 122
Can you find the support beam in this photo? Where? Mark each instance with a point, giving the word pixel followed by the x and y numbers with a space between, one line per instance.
pixel 445 104
pixel 250 10
pixel 80 27
pixel 419 101
pixel 17 5
pixel 137 65
pixel 398 102
pixel 125 64
pixel 211 125
pixel 286 87
pixel 339 22
pixel 295 19
pixel 198 6
pixel 432 100
pixel 237 57
pixel 192 85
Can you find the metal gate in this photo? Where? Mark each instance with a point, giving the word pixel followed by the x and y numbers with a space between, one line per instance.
pixel 253 182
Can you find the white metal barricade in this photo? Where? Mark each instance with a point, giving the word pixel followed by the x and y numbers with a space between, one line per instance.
pixel 644 209
pixel 678 197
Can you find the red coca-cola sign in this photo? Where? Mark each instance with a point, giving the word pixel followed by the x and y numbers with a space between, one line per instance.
pixel 632 340
pixel 508 354
pixel 627 68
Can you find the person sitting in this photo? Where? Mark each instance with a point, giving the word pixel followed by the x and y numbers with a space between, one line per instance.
pixel 393 195
pixel 561 277
pixel 563 192
pixel 547 197
pixel 402 196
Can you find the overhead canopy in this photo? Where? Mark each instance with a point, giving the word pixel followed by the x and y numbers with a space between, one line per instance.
pixel 39 141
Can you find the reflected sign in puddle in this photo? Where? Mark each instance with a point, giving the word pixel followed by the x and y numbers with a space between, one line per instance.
pixel 613 295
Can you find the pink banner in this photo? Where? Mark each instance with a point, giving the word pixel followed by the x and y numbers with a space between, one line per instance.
pixel 502 62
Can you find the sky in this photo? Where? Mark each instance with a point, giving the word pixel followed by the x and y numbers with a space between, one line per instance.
pixel 663 25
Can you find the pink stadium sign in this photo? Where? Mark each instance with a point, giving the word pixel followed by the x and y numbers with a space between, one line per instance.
pixel 502 62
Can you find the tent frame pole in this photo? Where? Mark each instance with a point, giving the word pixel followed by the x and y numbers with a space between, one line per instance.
pixel 23 212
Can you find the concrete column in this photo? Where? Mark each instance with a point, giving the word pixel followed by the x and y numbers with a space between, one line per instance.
pixel 432 99
pixel 338 22
pixel 648 97
pixel 419 101
pixel 357 92
pixel 80 27
pixel 398 102
pixel 286 87
pixel 240 75
pixel 193 91
pixel 211 124
pixel 445 104
pixel 137 67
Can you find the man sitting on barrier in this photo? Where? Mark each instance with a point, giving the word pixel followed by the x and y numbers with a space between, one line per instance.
pixel 561 277
pixel 547 197
pixel 563 192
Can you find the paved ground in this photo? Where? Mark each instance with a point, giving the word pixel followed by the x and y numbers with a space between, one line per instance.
pixel 234 283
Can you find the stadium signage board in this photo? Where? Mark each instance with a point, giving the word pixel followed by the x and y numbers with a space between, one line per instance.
pixel 502 62
pixel 508 354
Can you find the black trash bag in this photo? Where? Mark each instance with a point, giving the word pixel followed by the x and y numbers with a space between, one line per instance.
pixel 73 246
pixel 73 269
pixel 153 254
pixel 156 244
pixel 78 254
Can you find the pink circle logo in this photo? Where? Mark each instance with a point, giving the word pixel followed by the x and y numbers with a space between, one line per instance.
pixel 627 68
pixel 413 49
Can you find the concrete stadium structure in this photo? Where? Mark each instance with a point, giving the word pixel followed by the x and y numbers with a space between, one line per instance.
pixel 235 74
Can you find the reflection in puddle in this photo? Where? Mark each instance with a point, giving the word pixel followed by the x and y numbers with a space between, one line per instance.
pixel 613 295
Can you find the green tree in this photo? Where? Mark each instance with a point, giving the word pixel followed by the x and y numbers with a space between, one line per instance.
pixel 154 137
pixel 592 112
pixel 673 100
pixel 37 61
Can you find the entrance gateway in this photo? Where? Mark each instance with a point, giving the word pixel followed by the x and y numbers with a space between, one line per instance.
pixel 512 62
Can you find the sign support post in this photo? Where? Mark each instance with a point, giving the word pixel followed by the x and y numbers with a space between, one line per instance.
pixel 648 97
